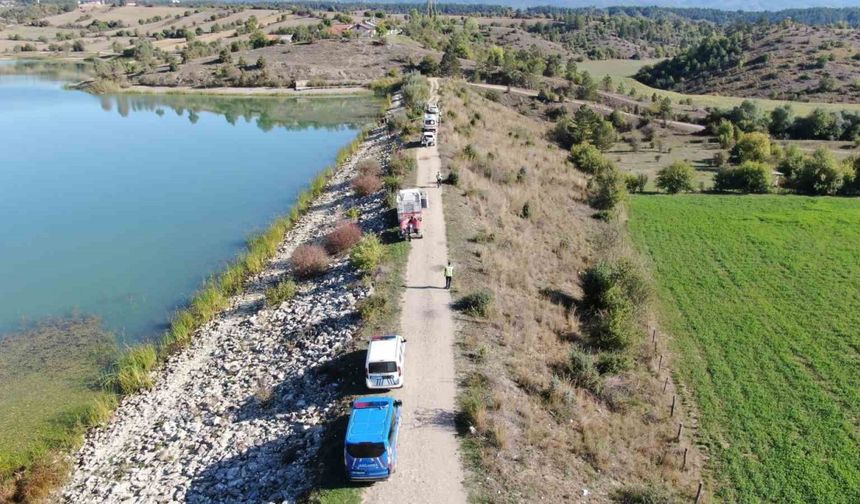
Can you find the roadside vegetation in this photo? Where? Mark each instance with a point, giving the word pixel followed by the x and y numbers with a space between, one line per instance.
pixel 760 295
pixel 557 372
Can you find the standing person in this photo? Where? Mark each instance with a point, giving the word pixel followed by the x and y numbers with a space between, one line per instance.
pixel 449 275
pixel 438 179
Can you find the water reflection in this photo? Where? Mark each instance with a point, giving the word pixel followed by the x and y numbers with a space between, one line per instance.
pixel 268 113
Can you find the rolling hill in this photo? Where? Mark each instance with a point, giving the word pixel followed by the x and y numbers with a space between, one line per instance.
pixel 783 61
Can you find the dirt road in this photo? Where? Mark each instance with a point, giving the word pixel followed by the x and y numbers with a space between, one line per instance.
pixel 676 125
pixel 429 467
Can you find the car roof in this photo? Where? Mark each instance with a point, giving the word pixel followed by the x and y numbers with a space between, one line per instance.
pixel 383 348
pixel 370 419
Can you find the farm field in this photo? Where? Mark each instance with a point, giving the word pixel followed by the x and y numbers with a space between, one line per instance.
pixel 622 71
pixel 763 299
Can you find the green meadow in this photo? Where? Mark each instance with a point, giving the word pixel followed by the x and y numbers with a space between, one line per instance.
pixel 762 297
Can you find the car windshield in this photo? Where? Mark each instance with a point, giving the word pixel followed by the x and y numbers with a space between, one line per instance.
pixel 365 450
pixel 382 367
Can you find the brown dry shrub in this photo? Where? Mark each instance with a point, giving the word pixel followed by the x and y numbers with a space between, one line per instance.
pixel 369 167
pixel 365 185
pixel 343 237
pixel 309 261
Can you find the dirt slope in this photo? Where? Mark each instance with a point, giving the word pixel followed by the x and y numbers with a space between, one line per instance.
pixel 429 468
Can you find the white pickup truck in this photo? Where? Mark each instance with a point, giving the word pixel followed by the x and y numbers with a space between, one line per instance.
pixel 428 139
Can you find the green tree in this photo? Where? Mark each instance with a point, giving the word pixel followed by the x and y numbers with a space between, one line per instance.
pixel 450 65
pixel 749 177
pixel 726 134
pixel 753 146
pixel 607 189
pixel 588 158
pixel 587 87
pixel 821 174
pixel 676 177
pixel 781 120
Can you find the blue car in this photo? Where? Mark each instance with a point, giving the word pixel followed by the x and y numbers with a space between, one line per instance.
pixel 370 450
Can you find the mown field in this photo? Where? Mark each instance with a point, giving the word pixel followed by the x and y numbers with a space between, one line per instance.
pixel 762 295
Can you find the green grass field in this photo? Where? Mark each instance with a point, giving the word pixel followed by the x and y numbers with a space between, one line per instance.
pixel 762 295
pixel 623 70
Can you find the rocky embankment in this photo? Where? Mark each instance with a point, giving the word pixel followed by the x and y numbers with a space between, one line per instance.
pixel 239 415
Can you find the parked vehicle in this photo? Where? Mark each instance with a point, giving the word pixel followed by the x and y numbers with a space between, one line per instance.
pixel 431 122
pixel 410 206
pixel 384 363
pixel 428 139
pixel 370 448
pixel 432 108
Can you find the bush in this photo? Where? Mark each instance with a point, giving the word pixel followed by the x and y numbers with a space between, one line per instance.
pixel 644 495
pixel 453 177
pixel 344 236
pixel 283 291
pixel 369 167
pixel 613 363
pixel 583 372
pixel 753 146
pixel 368 254
pixel 402 163
pixel 821 174
pixel 588 158
pixel 613 328
pixel 676 177
pixel 365 185
pixel 750 177
pixel 309 261
pixel 585 126
pixel 631 182
pixel 598 279
pixel 372 308
pixel 476 304
pixel 606 189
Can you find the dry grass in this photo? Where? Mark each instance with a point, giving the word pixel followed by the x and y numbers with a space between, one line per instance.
pixel 536 435
pixel 309 261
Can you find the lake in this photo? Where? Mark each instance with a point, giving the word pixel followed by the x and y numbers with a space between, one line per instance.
pixel 121 206
pixel 114 210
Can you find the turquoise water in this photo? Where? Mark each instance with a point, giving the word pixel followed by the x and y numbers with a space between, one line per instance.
pixel 120 207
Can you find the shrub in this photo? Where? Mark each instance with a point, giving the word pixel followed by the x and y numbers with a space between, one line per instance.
pixel 631 182
pixel 750 177
pixel 613 362
pixel 368 254
pixel 369 167
pixel 345 235
pixel 821 173
pixel 476 304
pixel 599 279
pixel 585 126
pixel 613 328
pixel 676 177
pixel 283 291
pixel 753 146
pixel 402 163
pixel 309 261
pixel 365 185
pixel 606 189
pixel 453 177
pixel 583 372
pixel 372 308
pixel 392 183
pixel 588 158
pixel 791 162
pixel 644 495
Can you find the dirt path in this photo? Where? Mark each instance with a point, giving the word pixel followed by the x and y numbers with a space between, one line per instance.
pixel 677 125
pixel 429 468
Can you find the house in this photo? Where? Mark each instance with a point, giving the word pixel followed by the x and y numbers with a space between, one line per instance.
pixel 365 29
pixel 339 29
pixel 280 39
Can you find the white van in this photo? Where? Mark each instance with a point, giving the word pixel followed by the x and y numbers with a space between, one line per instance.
pixel 384 365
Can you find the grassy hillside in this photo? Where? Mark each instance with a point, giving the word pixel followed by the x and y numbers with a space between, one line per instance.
pixel 761 294
pixel 785 61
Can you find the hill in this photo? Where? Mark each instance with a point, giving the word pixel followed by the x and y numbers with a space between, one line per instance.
pixel 786 61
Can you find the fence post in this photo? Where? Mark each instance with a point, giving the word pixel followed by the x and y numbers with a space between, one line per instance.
pixel 680 428
pixel 699 493
pixel 672 412
pixel 665 384
pixel 684 466
pixel 660 365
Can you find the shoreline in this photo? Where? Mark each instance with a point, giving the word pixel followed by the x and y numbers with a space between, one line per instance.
pixel 231 91
pixel 170 429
